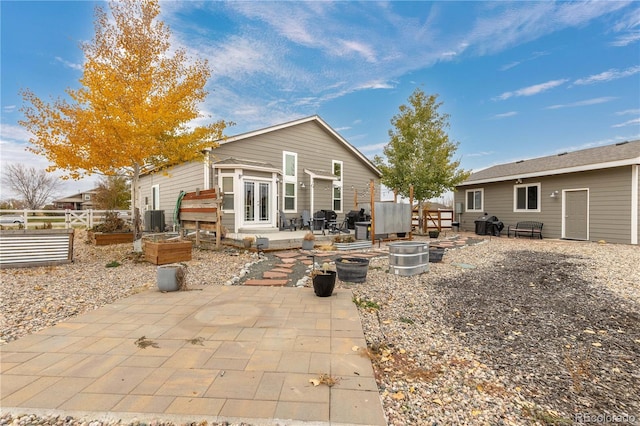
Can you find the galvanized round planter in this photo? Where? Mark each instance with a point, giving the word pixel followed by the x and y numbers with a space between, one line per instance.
pixel 352 269
pixel 408 258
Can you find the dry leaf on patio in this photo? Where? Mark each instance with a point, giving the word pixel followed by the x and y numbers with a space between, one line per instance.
pixel 314 382
pixel 398 395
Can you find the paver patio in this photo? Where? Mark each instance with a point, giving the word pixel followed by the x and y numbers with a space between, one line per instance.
pixel 224 353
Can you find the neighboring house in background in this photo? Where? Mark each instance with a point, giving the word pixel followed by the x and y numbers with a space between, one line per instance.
pixel 81 201
pixel 290 167
pixel 591 194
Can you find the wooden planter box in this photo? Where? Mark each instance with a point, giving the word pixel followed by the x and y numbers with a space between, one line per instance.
pixel 107 238
pixel 163 252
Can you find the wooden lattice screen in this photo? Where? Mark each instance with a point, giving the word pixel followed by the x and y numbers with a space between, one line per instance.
pixel 200 210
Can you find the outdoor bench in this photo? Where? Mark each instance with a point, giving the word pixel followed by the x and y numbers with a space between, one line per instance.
pixel 527 228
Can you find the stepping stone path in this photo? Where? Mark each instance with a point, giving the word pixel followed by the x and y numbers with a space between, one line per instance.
pixel 287 267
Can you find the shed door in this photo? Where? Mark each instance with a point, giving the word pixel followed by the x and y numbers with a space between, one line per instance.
pixel 576 217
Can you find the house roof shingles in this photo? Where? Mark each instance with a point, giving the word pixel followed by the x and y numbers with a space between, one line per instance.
pixel 620 154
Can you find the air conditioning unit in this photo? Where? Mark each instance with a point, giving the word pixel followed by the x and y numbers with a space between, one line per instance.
pixel 154 221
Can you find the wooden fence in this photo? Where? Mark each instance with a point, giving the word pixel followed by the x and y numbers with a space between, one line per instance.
pixel 436 219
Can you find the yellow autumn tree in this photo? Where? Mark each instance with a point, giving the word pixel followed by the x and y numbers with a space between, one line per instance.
pixel 136 106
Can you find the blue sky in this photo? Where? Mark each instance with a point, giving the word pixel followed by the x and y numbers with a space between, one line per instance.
pixel 519 79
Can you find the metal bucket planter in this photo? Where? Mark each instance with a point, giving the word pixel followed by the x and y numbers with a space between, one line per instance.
pixel 324 283
pixel 171 278
pixel 262 243
pixel 408 258
pixel 352 269
pixel 308 244
pixel 435 254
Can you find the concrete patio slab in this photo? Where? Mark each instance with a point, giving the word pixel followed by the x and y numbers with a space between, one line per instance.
pixel 223 353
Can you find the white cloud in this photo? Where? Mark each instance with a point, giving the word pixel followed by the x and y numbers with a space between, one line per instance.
pixel 9 108
pixel 505 114
pixel 258 74
pixel 366 51
pixel 586 102
pixel 532 90
pixel 14 133
pixel 68 64
pixel 479 154
pixel 533 56
pixel 629 111
pixel 512 23
pixel 629 26
pixel 372 148
pixel 612 74
pixel 628 123
pixel 626 39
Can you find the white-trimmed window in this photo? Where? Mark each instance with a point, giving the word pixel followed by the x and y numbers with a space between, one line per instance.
pixel 526 198
pixel 87 197
pixel 475 200
pixel 155 197
pixel 289 181
pixel 336 167
pixel 227 192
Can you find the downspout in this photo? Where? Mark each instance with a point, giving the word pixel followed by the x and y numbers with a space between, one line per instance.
pixel 635 210
pixel 312 199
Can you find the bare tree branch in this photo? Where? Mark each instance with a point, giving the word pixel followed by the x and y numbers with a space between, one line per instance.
pixel 35 186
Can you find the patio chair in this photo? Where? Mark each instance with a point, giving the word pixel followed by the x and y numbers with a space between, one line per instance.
pixel 306 220
pixel 343 227
pixel 287 223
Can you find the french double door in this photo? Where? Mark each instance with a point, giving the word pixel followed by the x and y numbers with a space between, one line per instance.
pixel 257 202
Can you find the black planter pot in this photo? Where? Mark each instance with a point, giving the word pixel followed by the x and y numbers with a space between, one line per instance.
pixel 352 269
pixel 435 255
pixel 434 234
pixel 324 283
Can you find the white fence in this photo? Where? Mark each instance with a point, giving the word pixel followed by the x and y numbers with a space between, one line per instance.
pixel 60 218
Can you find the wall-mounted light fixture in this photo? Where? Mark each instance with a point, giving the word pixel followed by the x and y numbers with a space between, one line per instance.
pixel 302 185
pixel 519 181
pixel 554 194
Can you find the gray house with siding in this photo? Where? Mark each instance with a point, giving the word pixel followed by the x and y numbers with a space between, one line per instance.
pixel 590 194
pixel 283 169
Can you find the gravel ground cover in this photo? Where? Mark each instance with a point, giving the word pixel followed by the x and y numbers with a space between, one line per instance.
pixel 521 332
pixel 510 331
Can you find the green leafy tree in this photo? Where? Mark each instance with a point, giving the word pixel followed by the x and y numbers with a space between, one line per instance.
pixel 113 193
pixel 135 110
pixel 419 152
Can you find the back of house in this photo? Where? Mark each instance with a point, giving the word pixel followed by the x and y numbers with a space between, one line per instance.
pixel 270 175
pixel 591 194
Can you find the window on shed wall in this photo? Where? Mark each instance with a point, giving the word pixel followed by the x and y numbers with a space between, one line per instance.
pixel 290 180
pixel 475 200
pixel 337 185
pixel 227 192
pixel 526 198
